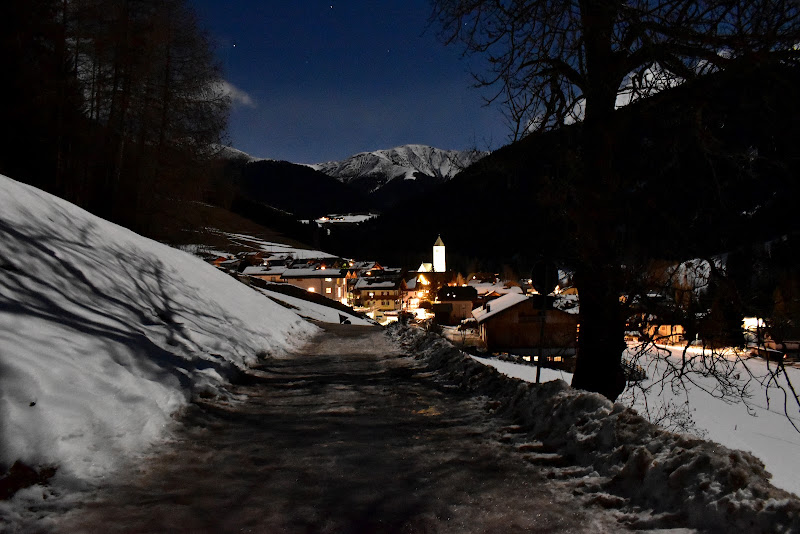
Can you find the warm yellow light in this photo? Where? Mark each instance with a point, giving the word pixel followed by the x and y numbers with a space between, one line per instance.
pixel 311 290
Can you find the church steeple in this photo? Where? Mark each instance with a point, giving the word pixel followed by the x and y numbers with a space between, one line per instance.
pixel 438 256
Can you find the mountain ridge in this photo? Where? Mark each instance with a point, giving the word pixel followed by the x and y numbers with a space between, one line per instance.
pixel 376 180
pixel 370 171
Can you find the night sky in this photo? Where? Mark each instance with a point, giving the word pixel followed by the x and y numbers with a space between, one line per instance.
pixel 318 81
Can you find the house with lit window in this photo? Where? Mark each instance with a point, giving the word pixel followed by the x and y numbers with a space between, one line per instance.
pixel 414 292
pixel 454 304
pixel 525 324
pixel 667 334
pixel 268 273
pixel 365 268
pixel 379 293
pixel 318 277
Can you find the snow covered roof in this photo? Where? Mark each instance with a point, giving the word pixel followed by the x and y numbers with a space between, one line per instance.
pixel 263 270
pixel 500 288
pixel 498 305
pixel 366 265
pixel 372 283
pixel 312 272
pixel 425 268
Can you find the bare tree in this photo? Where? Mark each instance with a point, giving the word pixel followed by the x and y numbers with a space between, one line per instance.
pixel 559 61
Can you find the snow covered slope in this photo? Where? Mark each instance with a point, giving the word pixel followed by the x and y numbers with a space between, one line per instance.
pixel 228 152
pixel 376 169
pixel 104 335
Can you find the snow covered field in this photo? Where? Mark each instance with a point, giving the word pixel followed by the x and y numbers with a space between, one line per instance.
pixel 763 431
pixel 106 335
pixel 273 250
pixel 345 219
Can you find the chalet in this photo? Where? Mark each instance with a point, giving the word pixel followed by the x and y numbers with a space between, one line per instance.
pixel 365 268
pixel 667 334
pixel 317 277
pixel 655 318
pixel 454 304
pixel 523 324
pixel 379 293
pixel 265 272
pixel 279 260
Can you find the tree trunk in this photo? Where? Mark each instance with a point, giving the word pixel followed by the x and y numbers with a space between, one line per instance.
pixel 601 337
pixel 598 276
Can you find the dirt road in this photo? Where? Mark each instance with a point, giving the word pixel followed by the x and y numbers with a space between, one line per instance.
pixel 348 436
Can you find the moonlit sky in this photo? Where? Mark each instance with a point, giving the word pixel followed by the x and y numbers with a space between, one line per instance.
pixel 317 81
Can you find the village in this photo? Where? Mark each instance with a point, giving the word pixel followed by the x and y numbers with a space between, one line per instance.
pixel 478 311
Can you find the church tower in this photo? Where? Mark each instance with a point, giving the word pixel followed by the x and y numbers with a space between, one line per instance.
pixel 438 256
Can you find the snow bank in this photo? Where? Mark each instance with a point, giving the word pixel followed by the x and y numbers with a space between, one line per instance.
pixel 104 335
pixel 754 421
pixel 695 407
pixel 708 485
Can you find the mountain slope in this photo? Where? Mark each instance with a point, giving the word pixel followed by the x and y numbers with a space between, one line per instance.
pixel 298 189
pixel 370 171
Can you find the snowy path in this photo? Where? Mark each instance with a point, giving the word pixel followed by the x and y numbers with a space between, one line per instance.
pixel 348 436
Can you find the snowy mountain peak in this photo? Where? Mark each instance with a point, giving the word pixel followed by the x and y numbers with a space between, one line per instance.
pixel 382 166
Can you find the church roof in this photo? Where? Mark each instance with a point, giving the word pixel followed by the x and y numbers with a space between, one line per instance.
pixel 439 242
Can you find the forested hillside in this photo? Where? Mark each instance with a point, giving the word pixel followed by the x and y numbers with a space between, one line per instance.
pixel 112 105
